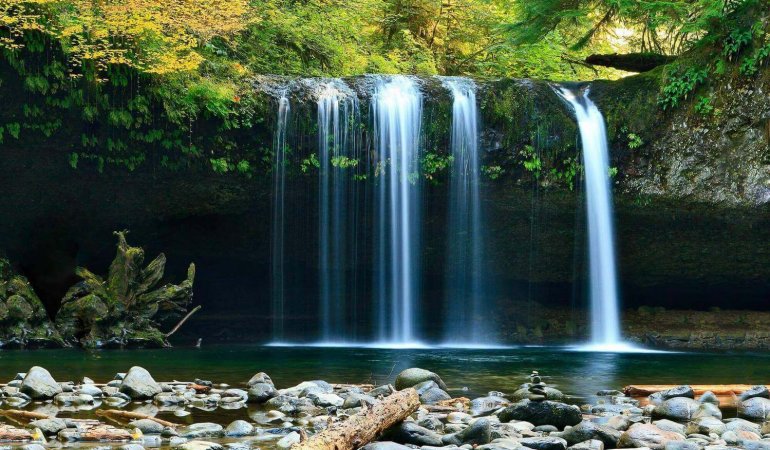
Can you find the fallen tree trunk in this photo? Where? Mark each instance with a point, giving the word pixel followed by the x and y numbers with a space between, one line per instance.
pixel 630 62
pixel 643 390
pixel 127 416
pixel 13 434
pixel 19 415
pixel 105 433
pixel 362 428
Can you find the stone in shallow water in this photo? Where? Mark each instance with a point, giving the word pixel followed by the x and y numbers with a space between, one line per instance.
pixel 49 426
pixel 384 445
pixel 647 435
pixel 203 429
pixel 755 408
pixel 669 425
pixel 593 444
pixel 544 443
pixel 705 425
pixel 679 391
pixel 485 405
pixel 39 384
pixel 682 445
pixel 737 424
pixel 355 400
pixel 414 376
pixel 147 426
pixel 384 390
pixel 289 440
pixel 411 433
pixel 478 432
pixel 199 445
pixel 261 392
pixel 239 428
pixel 679 409
pixel 139 384
pixel 260 377
pixel 587 430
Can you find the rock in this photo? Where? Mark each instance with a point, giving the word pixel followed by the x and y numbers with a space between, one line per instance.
pixel 593 444
pixel 683 445
pixel 705 425
pixel 432 423
pixel 32 447
pixel 411 433
pixel 458 417
pixel 679 391
pixel 131 447
pixel 709 397
pixel 544 443
pixel 384 445
pixel 325 400
pixel 147 426
pixel 39 384
pixel 199 445
pixel 755 408
pixel 384 390
pixel 239 428
pixel 547 412
pixel 73 399
pixel 478 432
pixel 545 429
pixel 620 423
pixel 668 425
pixel 759 390
pixel 679 409
pixel 485 405
pixel 203 429
pixel 756 445
pixel 738 424
pixel 587 430
pixel 90 389
pixel 261 392
pixel 524 393
pixel 647 435
pixel 414 376
pixel 49 426
pixel 355 399
pixel 139 384
pixel 238 394
pixel 289 440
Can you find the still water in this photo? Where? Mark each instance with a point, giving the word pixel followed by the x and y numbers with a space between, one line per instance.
pixel 467 372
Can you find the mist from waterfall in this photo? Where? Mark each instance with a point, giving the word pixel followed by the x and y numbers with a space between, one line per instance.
pixel 278 225
pixel 464 303
pixel 397 114
pixel 605 314
pixel 338 116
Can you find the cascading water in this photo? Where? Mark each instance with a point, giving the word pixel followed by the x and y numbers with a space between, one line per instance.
pixel 464 240
pixel 337 147
pixel 279 186
pixel 605 315
pixel 397 109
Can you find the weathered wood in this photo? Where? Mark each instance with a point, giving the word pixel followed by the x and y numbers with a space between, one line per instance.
pixel 643 390
pixel 630 62
pixel 105 433
pixel 19 415
pixel 127 416
pixel 360 429
pixel 9 433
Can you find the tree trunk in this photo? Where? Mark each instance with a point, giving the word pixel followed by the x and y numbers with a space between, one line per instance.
pixel 630 62
pixel 362 428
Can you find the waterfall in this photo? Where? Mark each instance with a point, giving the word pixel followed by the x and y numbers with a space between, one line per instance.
pixel 464 239
pixel 279 186
pixel 397 114
pixel 337 148
pixel 605 315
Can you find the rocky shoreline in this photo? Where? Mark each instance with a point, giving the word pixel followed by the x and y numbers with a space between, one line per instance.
pixel 38 412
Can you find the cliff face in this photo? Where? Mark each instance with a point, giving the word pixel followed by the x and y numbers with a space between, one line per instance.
pixel 690 201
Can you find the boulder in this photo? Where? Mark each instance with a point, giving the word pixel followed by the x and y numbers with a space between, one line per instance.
pixel 478 432
pixel 411 433
pixel 203 429
pixel 261 392
pixel 239 428
pixel 669 425
pixel 147 426
pixel 756 409
pixel 39 384
pixel 384 445
pixel 683 445
pixel 544 443
pixel 430 393
pixel 593 444
pixel 709 397
pixel 354 400
pixel 587 430
pixel 705 425
pixel 485 405
pixel 414 376
pixel 523 393
pixel 49 426
pixel 682 409
pixel 546 412
pixel 738 424
pixel 647 435
pixel 759 390
pixel 679 391
pixel 139 384
pixel 199 445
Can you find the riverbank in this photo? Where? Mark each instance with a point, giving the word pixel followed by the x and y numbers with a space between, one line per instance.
pixel 133 410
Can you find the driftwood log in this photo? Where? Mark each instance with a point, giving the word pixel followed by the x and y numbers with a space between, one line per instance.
pixel 19 415
pixel 105 433
pixel 723 392
pixel 13 434
pixel 127 416
pixel 360 429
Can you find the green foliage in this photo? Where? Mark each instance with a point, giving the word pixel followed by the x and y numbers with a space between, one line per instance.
pixel 612 172
pixel 344 162
pixel 735 42
pixel 310 162
pixel 73 160
pixel 570 168
pixel 753 63
pixel 680 84
pixel 634 141
pixel 492 172
pixel 220 165
pixel 434 164
pixel 531 162
pixel 703 106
